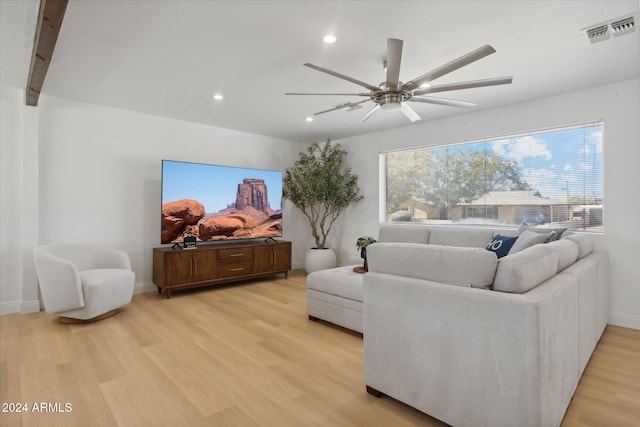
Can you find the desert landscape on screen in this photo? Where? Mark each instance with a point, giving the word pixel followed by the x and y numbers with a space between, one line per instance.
pixel 248 216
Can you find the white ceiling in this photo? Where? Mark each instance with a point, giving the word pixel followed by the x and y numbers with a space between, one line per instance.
pixel 167 57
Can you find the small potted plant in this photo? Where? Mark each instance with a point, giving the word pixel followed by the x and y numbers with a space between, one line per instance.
pixel 361 245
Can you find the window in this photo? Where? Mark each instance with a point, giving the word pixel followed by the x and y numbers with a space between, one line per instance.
pixel 546 177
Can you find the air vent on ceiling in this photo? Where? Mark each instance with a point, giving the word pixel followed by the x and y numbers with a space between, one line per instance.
pixel 598 34
pixel 605 30
pixel 623 26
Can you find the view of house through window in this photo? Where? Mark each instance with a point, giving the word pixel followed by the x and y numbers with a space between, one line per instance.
pixel 552 177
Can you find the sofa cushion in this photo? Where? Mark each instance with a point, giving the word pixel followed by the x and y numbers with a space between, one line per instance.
pixel 446 264
pixel 339 281
pixel 404 234
pixel 527 238
pixel 501 244
pixel 466 238
pixel 522 271
pixel 543 230
pixel 585 244
pixel 567 252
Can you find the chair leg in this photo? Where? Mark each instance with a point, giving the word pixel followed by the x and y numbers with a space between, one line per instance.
pixel 71 320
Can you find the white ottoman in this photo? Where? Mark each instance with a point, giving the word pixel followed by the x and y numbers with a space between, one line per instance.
pixel 335 295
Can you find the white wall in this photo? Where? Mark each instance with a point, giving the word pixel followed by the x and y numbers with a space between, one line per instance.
pixel 99 181
pixel 617 104
pixel 99 178
pixel 18 203
pixel 11 120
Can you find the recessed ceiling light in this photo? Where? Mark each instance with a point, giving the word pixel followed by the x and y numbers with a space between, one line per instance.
pixel 218 97
pixel 309 119
pixel 329 38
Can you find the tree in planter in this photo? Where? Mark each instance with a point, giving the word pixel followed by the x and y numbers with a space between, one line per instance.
pixel 321 185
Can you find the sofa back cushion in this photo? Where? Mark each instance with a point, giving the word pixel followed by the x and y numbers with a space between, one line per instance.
pixel 585 244
pixel 403 234
pixel 518 273
pixel 452 265
pixel 465 238
pixel 567 252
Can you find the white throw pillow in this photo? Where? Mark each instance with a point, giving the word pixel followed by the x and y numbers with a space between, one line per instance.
pixel 528 238
pixel 543 230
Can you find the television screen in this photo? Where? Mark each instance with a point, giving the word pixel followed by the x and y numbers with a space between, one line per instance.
pixel 216 203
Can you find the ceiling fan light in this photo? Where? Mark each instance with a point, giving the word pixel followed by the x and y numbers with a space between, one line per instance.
pixel 329 39
pixel 392 106
pixel 425 85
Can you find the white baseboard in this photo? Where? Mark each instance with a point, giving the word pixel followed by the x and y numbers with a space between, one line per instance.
pixel 22 307
pixel 30 306
pixel 10 307
pixel 624 320
pixel 143 288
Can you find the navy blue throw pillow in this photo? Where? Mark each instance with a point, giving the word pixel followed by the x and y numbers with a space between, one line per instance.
pixel 501 244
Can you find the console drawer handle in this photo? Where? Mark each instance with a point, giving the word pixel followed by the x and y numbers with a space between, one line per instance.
pixel 236 255
pixel 236 269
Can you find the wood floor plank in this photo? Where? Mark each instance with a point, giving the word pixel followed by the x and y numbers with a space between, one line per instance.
pixel 245 356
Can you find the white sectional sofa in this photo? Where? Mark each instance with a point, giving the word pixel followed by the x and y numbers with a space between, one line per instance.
pixel 471 339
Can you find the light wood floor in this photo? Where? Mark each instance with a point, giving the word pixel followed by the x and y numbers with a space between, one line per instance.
pixel 239 356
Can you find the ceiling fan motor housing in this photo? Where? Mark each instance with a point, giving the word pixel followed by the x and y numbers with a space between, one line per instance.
pixel 390 99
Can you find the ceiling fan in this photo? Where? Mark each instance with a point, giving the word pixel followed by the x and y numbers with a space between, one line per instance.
pixel 392 94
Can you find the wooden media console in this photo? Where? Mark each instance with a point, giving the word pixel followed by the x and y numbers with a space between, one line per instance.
pixel 175 269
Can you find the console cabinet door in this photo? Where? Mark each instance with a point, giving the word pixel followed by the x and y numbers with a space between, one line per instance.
pixel 282 256
pixel 204 266
pixel 178 268
pixel 275 257
pixel 263 259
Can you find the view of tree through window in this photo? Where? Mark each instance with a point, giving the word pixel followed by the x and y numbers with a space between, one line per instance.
pixel 550 177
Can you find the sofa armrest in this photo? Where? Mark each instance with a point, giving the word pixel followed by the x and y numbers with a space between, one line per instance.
pixel 472 357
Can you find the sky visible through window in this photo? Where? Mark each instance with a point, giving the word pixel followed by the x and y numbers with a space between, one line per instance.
pixel 551 162
pixel 214 186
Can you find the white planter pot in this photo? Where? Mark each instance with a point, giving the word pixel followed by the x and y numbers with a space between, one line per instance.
pixel 319 259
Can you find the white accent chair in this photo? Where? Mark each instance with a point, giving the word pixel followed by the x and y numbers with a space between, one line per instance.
pixel 83 282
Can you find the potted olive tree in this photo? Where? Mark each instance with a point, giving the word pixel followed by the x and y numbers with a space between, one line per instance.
pixel 322 186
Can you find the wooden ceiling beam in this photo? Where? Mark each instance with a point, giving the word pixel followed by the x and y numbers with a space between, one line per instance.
pixel 47 30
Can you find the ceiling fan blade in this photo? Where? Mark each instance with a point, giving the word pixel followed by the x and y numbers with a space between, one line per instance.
pixel 394 57
pixel 342 76
pixel 370 113
pixel 450 66
pixel 464 85
pixel 336 94
pixel 441 101
pixel 408 111
pixel 327 111
pixel 347 106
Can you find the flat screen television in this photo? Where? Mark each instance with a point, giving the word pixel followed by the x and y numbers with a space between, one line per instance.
pixel 218 203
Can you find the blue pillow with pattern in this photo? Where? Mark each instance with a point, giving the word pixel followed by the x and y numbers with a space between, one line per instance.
pixel 501 244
